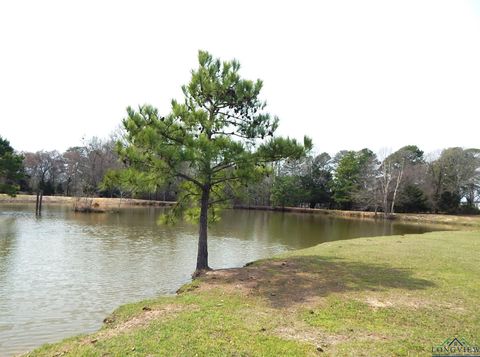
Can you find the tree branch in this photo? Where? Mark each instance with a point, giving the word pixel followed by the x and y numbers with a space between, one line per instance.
pixel 191 179
pixel 225 179
pixel 221 167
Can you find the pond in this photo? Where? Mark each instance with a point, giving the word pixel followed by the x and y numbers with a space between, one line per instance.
pixel 62 273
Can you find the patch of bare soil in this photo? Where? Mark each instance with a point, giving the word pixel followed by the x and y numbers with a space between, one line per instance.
pixel 310 335
pixel 144 318
pixel 405 301
pixel 375 303
pixel 324 341
pixel 316 336
pixel 305 281
pixel 281 282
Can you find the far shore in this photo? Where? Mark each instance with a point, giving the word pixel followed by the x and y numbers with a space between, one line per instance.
pixel 106 203
pixel 423 218
pixel 101 202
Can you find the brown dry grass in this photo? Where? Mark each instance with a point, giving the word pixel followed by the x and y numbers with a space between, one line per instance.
pixel 304 281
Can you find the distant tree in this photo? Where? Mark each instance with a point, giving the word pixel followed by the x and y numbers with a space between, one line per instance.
pixel 471 186
pixel 365 198
pixel 288 191
pixel 10 168
pixel 215 141
pixel 304 181
pixel 449 202
pixel 454 176
pixel 257 193
pixel 395 169
pixel 346 180
pixel 316 180
pixel 99 156
pixel 84 167
pixel 42 169
pixel 354 179
pixel 73 172
pixel 412 199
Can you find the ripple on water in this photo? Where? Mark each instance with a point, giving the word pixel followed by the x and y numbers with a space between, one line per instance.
pixel 63 272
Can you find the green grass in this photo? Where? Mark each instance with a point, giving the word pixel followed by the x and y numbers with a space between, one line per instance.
pixel 383 296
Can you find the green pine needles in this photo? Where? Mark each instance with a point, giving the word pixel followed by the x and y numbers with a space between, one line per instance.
pixel 216 140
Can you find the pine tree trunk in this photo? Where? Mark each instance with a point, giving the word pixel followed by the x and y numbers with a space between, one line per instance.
pixel 202 254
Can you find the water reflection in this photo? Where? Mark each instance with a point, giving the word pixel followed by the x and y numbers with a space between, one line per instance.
pixel 7 235
pixel 63 272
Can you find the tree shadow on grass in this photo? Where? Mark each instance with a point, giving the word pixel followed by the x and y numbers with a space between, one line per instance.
pixel 301 279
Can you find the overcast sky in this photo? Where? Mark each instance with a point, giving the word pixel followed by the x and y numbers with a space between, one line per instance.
pixel 350 74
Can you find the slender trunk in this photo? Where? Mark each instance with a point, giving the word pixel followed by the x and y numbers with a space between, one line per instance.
pixel 202 255
pixel 385 203
pixel 386 179
pixel 436 194
pixel 386 191
pixel 399 179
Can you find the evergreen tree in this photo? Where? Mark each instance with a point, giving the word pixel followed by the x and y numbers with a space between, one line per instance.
pixel 215 140
pixel 11 171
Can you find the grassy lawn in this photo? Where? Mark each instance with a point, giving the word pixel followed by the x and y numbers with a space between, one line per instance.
pixel 383 296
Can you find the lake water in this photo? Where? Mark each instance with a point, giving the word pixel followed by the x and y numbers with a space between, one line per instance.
pixel 63 272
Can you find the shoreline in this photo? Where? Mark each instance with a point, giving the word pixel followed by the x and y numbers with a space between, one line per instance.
pixel 421 218
pixel 469 221
pixel 101 202
pixel 284 320
pixel 241 274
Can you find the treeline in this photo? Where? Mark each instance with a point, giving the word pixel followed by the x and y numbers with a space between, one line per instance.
pixel 79 171
pixel 403 181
